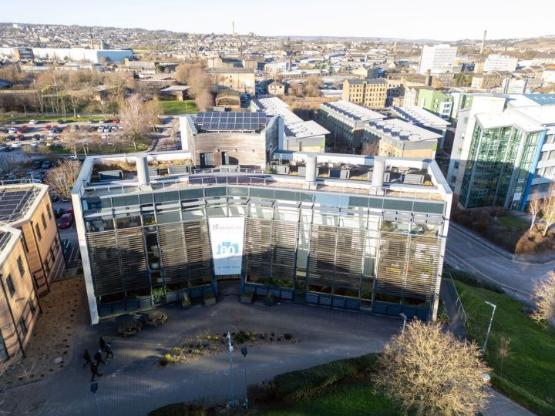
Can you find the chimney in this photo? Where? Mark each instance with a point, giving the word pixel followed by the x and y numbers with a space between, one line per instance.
pixel 428 81
pixel 142 170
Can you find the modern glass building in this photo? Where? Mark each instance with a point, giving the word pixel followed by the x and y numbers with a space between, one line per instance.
pixel 371 242
pixel 504 151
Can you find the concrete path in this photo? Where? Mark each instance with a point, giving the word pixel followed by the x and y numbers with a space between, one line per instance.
pixel 500 405
pixel 467 252
pixel 134 383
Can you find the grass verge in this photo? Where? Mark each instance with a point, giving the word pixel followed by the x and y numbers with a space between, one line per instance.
pixel 521 352
pixel 174 107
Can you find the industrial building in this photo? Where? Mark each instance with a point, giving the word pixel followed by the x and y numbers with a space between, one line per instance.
pixel 504 150
pixel 374 241
pixel 346 122
pixel 371 93
pixel 239 79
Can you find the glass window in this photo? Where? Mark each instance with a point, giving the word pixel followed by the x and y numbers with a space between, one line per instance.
pixel 20 266
pixel 43 220
pixel 128 221
pixel 37 229
pixel 165 216
pixel 49 211
pixel 3 350
pixel 166 196
pixel 9 284
pixel 23 326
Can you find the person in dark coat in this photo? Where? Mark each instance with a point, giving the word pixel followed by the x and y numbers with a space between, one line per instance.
pixel 94 371
pixel 98 358
pixel 87 358
pixel 108 351
pixel 102 343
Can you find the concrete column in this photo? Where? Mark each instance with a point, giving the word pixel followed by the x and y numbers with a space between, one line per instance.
pixel 311 170
pixel 142 170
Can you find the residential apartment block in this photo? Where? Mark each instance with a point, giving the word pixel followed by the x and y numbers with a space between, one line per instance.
pixel 374 241
pixel 371 93
pixel 504 150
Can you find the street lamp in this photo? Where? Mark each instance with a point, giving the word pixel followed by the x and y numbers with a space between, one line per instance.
pixel 404 322
pixel 244 352
pixel 494 306
pixel 230 351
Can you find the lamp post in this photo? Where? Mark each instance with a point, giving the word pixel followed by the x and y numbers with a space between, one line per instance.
pixel 494 306
pixel 230 351
pixel 94 389
pixel 245 351
pixel 404 322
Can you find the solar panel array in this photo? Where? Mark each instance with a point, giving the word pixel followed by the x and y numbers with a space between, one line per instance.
pixel 231 121
pixel 4 238
pixel 13 203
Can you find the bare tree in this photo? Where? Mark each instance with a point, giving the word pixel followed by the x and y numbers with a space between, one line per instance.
pixel 432 372
pixel 8 162
pixel 62 177
pixel 548 210
pixel 544 298
pixel 534 208
pixel 138 117
pixel 70 139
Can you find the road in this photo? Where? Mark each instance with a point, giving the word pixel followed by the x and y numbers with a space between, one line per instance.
pixel 466 252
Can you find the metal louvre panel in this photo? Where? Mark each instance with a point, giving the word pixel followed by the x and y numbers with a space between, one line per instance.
pixel 105 263
pixel 173 253
pixel 392 263
pixel 284 241
pixel 422 266
pixel 130 243
pixel 350 250
pixel 321 258
pixel 258 244
pixel 197 245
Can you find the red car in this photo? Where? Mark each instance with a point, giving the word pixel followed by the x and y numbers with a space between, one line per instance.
pixel 65 220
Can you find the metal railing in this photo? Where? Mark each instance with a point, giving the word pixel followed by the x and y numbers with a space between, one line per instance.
pixel 459 307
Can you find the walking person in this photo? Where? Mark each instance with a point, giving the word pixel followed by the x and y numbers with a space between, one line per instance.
pixel 108 351
pixel 87 358
pixel 94 371
pixel 98 358
pixel 102 343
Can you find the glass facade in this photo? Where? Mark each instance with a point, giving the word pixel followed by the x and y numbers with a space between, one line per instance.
pixel 330 247
pixel 498 166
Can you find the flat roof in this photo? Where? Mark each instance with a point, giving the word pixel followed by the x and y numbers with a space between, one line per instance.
pixel 542 99
pixel 401 130
pixel 230 121
pixel 294 125
pixel 354 111
pixel 421 116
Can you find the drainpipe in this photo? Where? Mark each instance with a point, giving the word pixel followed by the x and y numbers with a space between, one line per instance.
pixel 12 316
pixel 40 257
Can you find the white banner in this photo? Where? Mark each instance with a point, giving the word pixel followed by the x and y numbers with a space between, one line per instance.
pixel 226 239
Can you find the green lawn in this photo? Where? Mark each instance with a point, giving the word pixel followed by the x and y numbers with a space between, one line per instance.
pixel 172 108
pixel 513 222
pixel 527 374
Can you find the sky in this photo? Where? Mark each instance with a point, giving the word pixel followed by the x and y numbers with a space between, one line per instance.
pixel 411 19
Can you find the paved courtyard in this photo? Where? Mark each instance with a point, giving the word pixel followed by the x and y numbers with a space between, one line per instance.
pixel 134 382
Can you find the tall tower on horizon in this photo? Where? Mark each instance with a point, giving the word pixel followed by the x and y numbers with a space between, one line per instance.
pixel 233 27
pixel 483 48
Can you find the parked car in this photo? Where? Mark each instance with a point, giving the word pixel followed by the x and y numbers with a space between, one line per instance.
pixel 46 164
pixel 65 220
pixel 58 212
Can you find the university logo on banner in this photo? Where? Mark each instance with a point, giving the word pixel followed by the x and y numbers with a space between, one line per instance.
pixel 226 240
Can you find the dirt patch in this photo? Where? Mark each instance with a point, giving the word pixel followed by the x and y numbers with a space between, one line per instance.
pixel 51 346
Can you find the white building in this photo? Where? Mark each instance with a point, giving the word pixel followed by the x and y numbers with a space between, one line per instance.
pixel 501 63
pixel 82 54
pixel 437 59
